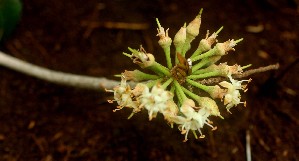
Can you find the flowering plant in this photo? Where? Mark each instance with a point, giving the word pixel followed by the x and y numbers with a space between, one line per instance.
pixel 175 90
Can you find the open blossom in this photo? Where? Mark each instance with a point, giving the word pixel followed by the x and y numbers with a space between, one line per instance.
pixel 123 95
pixel 165 40
pixel 233 97
pixel 155 100
pixel 193 120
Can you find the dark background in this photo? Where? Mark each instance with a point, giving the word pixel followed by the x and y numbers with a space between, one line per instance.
pixel 43 121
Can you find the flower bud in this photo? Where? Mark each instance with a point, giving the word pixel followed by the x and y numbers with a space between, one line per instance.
pixel 226 70
pixel 138 76
pixel 180 38
pixel 210 105
pixel 223 48
pixel 193 27
pixel 205 44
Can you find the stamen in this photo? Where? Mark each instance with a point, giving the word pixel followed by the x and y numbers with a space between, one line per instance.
pixel 110 101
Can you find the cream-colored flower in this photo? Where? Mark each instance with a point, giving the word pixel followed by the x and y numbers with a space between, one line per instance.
pixel 123 95
pixel 155 101
pixel 233 97
pixel 193 120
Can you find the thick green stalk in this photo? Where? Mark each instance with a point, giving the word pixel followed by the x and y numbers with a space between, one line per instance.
pixel 179 90
pixel 189 93
pixel 198 85
pixel 159 69
pixel 167 83
pixel 205 75
pixel 168 58
pixel 204 55
pixel 204 62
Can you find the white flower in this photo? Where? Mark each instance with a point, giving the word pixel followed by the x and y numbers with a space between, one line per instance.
pixel 155 101
pixel 193 120
pixel 123 96
pixel 233 97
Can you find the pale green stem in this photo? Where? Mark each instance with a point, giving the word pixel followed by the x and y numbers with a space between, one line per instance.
pixel 189 93
pixel 198 85
pixel 246 66
pixel 141 76
pixel 194 133
pixel 201 71
pixel 204 62
pixel 180 91
pixel 131 115
pixel 239 40
pixel 204 55
pixel 128 55
pixel 179 96
pixel 168 58
pixel 172 89
pixel 187 46
pixel 159 69
pixel 197 52
pixel 167 83
pixel 205 75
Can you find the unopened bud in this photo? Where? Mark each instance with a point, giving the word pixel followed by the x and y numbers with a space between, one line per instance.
pixel 180 38
pixel 138 76
pixel 210 105
pixel 193 27
pixel 226 70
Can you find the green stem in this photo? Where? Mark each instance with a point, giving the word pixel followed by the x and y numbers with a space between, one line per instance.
pixel 205 61
pixel 198 85
pixel 167 83
pixel 246 66
pixel 179 96
pixel 189 93
pixel 194 133
pixel 168 58
pixel 158 68
pixel 128 55
pixel 187 46
pixel 239 40
pixel 172 89
pixel 197 52
pixel 204 75
pixel 204 55
pixel 179 90
pixel 201 71
pixel 141 76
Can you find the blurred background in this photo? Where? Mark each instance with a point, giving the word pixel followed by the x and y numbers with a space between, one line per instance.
pixel 43 121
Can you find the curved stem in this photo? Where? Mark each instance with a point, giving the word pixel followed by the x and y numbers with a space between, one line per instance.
pixel 57 77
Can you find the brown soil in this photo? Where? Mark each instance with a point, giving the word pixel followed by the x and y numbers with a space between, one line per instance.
pixel 44 121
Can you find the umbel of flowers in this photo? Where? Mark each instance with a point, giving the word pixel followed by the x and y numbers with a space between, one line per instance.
pixel 175 90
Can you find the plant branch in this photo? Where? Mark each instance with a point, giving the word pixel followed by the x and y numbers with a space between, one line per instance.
pixel 247 73
pixel 79 81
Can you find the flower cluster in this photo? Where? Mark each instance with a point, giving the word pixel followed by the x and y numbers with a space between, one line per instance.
pixel 175 90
